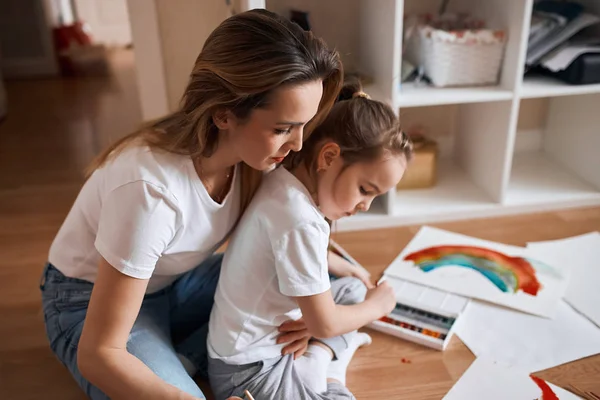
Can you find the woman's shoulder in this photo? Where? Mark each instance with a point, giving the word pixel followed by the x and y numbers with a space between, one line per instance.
pixel 140 162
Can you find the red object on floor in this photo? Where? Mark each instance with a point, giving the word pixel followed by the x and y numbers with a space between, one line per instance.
pixel 66 37
pixel 547 392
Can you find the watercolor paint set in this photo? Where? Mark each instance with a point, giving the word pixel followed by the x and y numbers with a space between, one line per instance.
pixel 422 315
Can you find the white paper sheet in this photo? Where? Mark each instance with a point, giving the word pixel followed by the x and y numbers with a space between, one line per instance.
pixel 489 381
pixel 582 255
pixel 527 342
pixel 475 284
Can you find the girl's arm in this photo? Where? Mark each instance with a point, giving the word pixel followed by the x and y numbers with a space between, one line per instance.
pixel 102 356
pixel 341 267
pixel 325 319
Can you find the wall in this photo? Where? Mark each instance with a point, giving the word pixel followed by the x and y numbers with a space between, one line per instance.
pixel 532 115
pixel 25 39
pixel 183 30
pixel 167 37
pixel 108 20
pixel 338 26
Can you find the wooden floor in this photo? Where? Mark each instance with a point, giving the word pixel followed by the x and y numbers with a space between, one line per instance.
pixel 54 128
pixel 376 372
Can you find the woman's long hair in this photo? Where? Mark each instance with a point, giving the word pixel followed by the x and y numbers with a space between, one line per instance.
pixel 244 60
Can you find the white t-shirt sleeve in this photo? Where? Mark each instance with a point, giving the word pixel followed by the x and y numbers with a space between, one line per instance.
pixel 301 261
pixel 137 223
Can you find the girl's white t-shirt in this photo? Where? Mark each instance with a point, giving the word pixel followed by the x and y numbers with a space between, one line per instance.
pixel 278 252
pixel 148 214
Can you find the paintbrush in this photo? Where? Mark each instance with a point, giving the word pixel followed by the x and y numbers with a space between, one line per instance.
pixel 248 395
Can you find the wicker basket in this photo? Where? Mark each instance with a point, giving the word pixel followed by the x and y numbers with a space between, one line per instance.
pixel 459 58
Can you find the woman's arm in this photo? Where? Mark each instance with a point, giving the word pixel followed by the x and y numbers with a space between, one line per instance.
pixel 102 355
pixel 326 319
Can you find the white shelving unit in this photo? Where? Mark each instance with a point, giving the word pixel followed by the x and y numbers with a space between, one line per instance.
pixel 540 86
pixel 482 172
pixel 538 182
pixel 412 95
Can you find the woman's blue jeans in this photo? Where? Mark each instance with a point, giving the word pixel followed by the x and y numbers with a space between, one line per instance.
pixel 170 322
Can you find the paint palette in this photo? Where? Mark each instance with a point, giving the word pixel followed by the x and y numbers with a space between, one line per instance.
pixel 422 314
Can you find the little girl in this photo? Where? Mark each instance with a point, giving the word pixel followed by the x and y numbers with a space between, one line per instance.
pixel 275 268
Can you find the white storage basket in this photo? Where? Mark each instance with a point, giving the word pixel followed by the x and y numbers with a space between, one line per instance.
pixel 459 58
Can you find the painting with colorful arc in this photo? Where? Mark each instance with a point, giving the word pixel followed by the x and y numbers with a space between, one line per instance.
pixel 509 274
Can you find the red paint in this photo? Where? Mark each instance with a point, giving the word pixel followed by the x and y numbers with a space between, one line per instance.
pixel 547 393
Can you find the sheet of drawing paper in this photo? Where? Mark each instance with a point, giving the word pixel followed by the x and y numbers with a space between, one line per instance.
pixel 527 342
pixel 582 256
pixel 471 267
pixel 487 380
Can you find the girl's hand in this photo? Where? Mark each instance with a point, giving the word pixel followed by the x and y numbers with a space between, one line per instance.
pixel 341 267
pixel 296 333
pixel 382 297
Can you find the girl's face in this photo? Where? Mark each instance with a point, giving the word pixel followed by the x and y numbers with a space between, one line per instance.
pixel 267 136
pixel 345 190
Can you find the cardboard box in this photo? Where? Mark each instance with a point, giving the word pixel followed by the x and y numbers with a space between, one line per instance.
pixel 421 172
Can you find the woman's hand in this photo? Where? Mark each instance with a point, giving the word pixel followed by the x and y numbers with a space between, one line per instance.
pixel 341 267
pixel 295 333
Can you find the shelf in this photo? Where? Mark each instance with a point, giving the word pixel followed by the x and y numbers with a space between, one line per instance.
pixel 542 86
pixel 454 197
pixel 411 95
pixel 537 182
pixel 476 124
pixel 454 194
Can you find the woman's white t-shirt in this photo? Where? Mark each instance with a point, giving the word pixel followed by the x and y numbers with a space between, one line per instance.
pixel 148 214
pixel 278 251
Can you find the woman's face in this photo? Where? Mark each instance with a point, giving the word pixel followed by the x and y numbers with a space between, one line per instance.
pixel 269 134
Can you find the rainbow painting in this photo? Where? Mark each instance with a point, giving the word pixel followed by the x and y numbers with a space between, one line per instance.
pixel 498 273
pixel 509 274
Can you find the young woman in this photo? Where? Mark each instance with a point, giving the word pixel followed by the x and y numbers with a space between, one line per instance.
pixel 275 267
pixel 129 285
